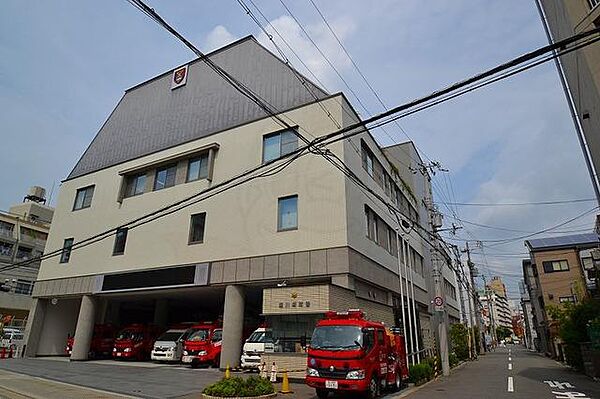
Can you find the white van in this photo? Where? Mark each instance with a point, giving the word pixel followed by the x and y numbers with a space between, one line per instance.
pixel 169 346
pixel 259 342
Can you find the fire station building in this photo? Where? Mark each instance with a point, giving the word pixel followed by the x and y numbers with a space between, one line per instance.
pixel 282 248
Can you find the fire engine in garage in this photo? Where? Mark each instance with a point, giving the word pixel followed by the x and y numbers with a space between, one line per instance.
pixel 352 354
pixel 135 341
pixel 203 345
pixel 103 339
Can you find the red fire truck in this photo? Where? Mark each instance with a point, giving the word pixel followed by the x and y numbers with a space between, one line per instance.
pixel 352 354
pixel 203 345
pixel 102 341
pixel 135 341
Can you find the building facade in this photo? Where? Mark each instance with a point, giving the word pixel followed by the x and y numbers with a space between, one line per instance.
pixel 23 234
pixel 281 248
pixel 581 71
pixel 560 270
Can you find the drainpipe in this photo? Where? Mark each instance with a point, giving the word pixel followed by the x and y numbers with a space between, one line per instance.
pixel 400 244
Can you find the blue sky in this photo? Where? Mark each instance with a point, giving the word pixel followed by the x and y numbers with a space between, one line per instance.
pixel 65 64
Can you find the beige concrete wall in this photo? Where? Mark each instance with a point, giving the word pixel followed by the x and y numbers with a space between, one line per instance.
pixel 356 200
pixel 239 223
pixel 59 321
pixel 582 67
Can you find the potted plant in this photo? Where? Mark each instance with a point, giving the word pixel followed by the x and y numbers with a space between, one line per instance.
pixel 236 387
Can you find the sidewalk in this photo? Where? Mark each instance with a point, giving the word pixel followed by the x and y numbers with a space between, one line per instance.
pixel 21 386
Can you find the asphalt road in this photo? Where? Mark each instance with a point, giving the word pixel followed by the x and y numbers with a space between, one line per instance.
pixel 491 377
pixel 502 374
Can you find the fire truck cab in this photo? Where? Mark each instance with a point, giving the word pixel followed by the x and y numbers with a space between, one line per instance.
pixel 352 354
pixel 203 345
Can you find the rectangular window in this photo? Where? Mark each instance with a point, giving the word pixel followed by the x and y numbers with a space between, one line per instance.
pixel 6 229
pixel 197 224
pixel 120 240
pixel 555 266
pixel 23 252
pixel 287 213
pixel 197 168
pixel 279 144
pixel 165 177
pixel 367 160
pixel 83 198
pixel 66 250
pixel 136 185
pixel 5 249
pixel 24 287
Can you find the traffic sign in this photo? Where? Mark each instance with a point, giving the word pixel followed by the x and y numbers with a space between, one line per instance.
pixel 438 301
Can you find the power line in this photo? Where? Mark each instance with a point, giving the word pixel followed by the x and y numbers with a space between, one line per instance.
pixel 572 201
pixel 326 139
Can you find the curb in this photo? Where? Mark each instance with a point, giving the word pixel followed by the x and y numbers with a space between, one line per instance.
pixel 413 389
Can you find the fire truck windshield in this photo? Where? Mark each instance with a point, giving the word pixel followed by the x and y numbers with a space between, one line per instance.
pixel 337 338
pixel 199 335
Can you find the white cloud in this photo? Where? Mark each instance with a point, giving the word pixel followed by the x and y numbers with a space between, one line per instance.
pixel 218 37
pixel 297 40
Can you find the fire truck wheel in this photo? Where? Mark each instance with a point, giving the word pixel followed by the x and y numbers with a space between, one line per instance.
pixel 322 393
pixel 398 382
pixel 373 390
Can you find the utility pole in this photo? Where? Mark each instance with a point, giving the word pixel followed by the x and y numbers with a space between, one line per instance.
pixel 467 316
pixel 439 302
pixel 477 321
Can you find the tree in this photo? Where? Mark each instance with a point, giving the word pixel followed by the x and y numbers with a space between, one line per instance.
pixel 503 332
pixel 459 341
pixel 573 321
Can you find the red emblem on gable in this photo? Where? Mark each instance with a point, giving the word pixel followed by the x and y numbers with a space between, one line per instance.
pixel 179 75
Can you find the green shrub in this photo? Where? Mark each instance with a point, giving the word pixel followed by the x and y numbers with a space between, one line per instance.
pixel 236 386
pixel 419 373
pixel 459 341
pixel 453 359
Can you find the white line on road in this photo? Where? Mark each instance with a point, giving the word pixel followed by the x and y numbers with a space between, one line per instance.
pixel 511 387
pixel 510 366
pixel 510 359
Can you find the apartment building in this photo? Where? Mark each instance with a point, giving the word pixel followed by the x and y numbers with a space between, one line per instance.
pixel 23 234
pixel 529 317
pixel 580 70
pixel 560 270
pixel 282 248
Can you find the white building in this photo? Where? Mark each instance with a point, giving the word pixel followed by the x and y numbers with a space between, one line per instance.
pixel 283 248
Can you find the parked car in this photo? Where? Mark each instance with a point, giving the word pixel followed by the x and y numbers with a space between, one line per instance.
pixel 169 346
pixel 203 345
pixel 135 341
pixel 259 342
pixel 102 341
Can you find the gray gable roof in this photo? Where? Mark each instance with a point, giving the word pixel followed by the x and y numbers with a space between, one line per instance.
pixel 151 117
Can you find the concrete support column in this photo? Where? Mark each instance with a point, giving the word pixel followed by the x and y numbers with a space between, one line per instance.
pixel 35 324
pixel 161 312
pixel 233 325
pixel 85 328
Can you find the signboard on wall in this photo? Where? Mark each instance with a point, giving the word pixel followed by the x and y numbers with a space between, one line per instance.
pixel 179 77
pixel 296 300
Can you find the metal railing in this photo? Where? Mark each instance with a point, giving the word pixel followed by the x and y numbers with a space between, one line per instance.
pixel 593 3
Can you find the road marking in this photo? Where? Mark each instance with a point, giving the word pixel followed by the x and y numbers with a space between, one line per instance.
pixel 510 366
pixel 511 387
pixel 559 385
pixel 510 359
